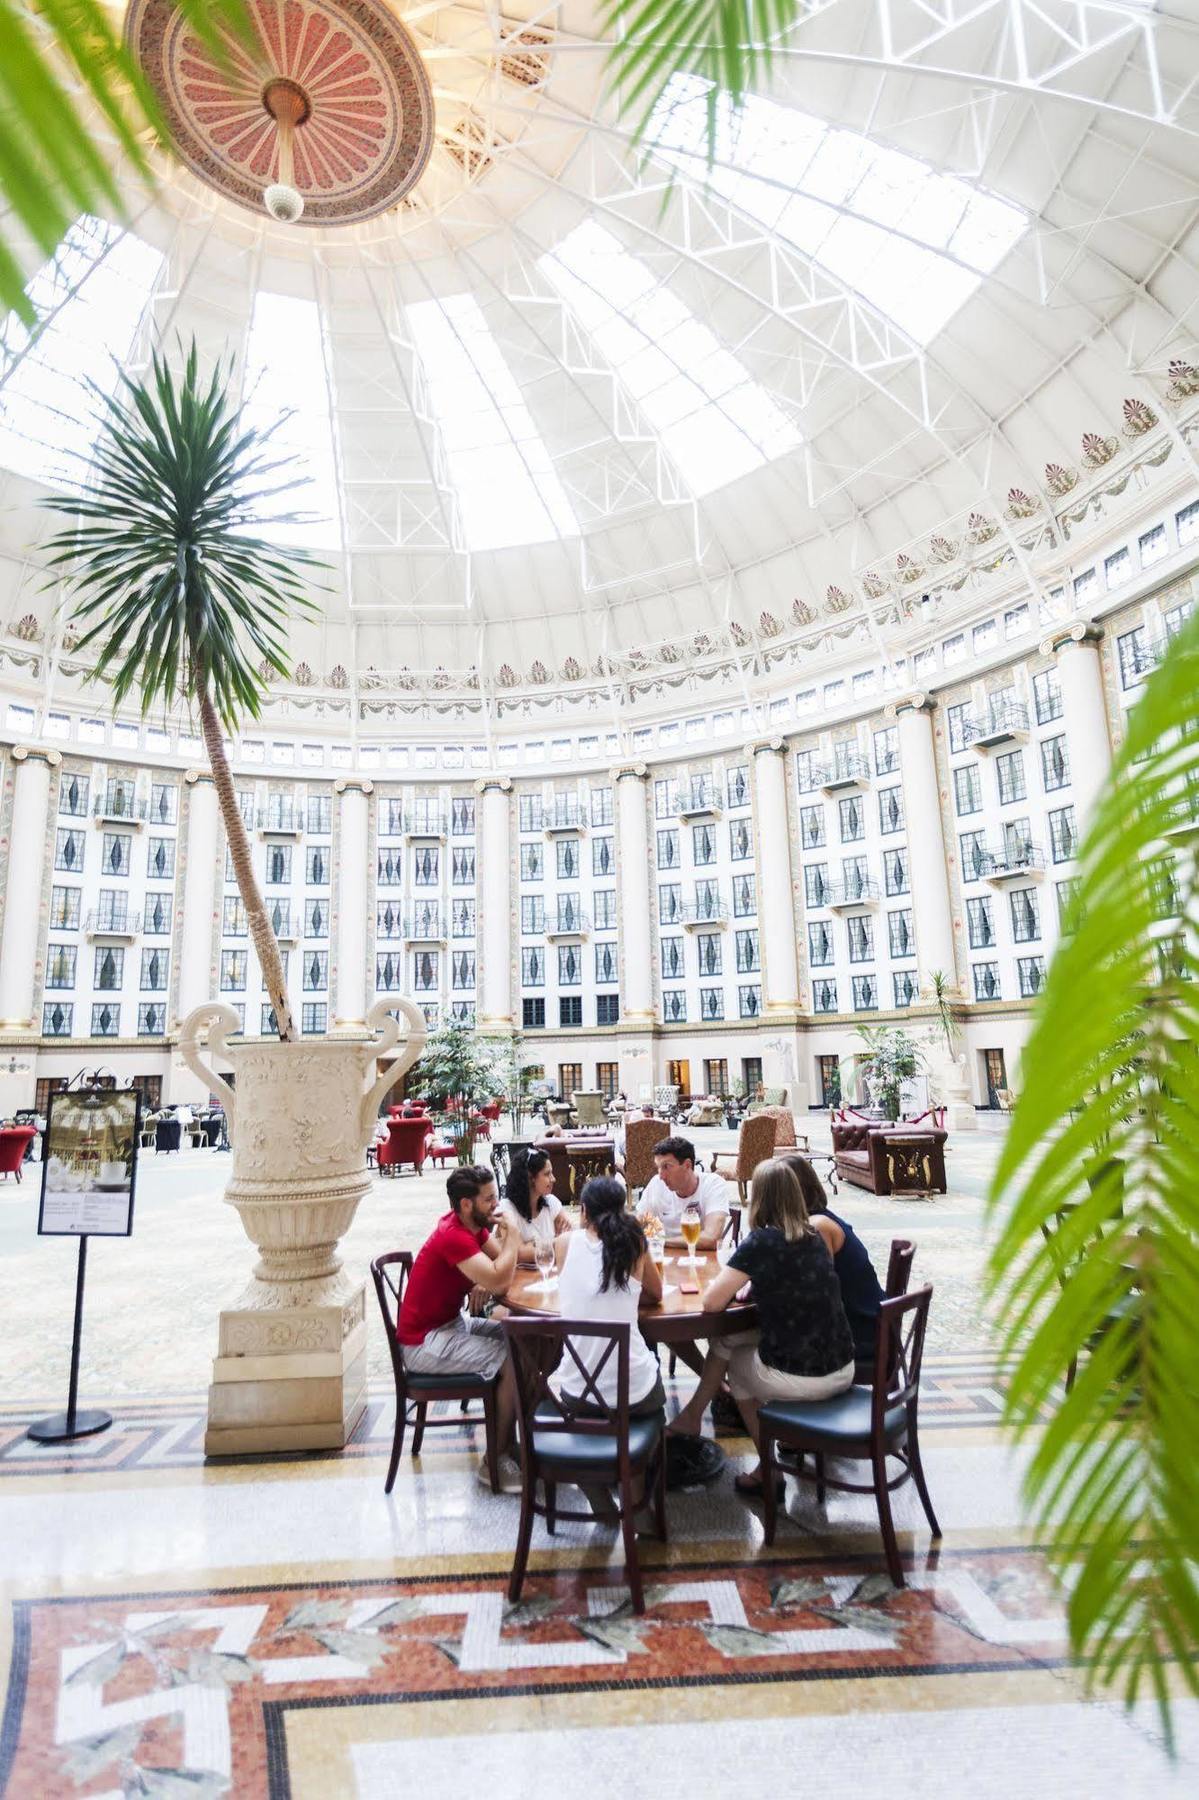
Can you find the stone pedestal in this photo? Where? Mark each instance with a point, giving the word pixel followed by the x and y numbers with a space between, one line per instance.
pixel 288 1381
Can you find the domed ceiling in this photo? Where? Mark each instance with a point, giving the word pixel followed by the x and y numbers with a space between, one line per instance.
pixel 561 404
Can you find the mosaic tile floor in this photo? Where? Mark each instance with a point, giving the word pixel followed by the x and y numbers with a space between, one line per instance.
pixel 281 1628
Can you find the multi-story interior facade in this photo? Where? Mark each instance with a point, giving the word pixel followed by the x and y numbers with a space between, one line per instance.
pixel 714 899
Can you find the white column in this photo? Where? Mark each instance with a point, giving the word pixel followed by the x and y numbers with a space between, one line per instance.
pixel 199 893
pixel 353 884
pixel 927 857
pixel 776 904
pixel 30 842
pixel 495 904
pixel 636 940
pixel 1088 741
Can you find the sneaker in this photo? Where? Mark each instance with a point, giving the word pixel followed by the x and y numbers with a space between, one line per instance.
pixel 509 1472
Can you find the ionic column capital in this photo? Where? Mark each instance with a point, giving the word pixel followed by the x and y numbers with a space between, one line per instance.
pixel 346 784
pixel 1073 631
pixel 915 702
pixel 494 784
pixel 22 753
pixel 775 746
pixel 630 771
pixel 193 777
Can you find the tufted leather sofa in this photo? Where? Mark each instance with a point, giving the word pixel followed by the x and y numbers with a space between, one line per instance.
pixel 860 1154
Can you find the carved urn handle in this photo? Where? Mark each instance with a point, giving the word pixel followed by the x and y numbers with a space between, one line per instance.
pixel 224 1021
pixel 380 1016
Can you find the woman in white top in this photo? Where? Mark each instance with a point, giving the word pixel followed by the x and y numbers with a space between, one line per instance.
pixel 607 1274
pixel 530 1205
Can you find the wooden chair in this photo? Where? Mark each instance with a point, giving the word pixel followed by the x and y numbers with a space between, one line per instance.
pixel 419 1391
pixel 755 1144
pixel 865 1424
pixel 584 1439
pixel 899 1273
pixel 640 1136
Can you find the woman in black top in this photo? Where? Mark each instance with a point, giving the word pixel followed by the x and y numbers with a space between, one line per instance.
pixel 803 1349
pixel 861 1290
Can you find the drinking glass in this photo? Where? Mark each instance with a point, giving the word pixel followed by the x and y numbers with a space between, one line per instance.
pixel 543 1256
pixel 691 1225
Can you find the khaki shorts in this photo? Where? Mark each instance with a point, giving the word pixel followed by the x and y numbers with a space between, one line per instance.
pixel 752 1379
pixel 465 1346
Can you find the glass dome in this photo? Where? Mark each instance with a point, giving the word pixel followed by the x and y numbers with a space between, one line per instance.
pixel 568 413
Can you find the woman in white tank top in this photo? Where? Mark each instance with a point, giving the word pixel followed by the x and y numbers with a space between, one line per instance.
pixel 605 1271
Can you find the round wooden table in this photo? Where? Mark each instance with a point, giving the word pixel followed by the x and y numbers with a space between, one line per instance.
pixel 680 1319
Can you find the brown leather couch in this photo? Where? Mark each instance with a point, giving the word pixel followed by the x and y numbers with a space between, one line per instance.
pixel 860 1154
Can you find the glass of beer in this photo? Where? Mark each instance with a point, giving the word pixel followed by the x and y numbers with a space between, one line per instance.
pixel 690 1225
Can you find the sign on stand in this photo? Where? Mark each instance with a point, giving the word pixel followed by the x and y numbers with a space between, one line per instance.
pixel 89 1170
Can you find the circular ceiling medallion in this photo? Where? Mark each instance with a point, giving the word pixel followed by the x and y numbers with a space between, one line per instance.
pixel 363 106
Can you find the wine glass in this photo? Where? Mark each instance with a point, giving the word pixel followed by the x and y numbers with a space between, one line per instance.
pixel 543 1256
pixel 691 1223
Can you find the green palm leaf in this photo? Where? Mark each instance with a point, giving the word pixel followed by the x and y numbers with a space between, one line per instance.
pixel 180 600
pixel 1096 1198
pixel 729 43
pixel 64 70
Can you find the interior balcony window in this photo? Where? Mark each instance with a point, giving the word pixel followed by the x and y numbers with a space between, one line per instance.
pixel 865 993
pixel 57 1018
pixel 986 981
pixel 316 971
pixel 668 849
pixel 901 934
pixel 109 970
pixel 606 964
pixel 824 996
pixel 532 966
pixel 890 811
pixel 72 796
pixel 316 918
pixel 820 943
pixel 603 860
pixel 106 1020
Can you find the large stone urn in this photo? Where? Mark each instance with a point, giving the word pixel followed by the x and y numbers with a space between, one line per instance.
pixel 290 1369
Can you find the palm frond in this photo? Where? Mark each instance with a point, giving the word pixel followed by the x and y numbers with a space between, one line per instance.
pixel 176 590
pixel 64 70
pixel 1096 1198
pixel 728 44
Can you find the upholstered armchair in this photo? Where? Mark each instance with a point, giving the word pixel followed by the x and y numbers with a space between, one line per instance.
pixel 589 1107
pixel 640 1136
pixel 14 1141
pixel 405 1142
pixel 755 1144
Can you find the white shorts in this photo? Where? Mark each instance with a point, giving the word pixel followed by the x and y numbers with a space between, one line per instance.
pixel 466 1346
pixel 752 1379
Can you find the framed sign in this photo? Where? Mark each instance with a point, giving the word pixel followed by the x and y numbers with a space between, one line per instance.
pixel 89 1163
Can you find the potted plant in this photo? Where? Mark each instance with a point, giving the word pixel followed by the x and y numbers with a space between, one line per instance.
pixel 891 1059
pixel 183 605
pixel 456 1074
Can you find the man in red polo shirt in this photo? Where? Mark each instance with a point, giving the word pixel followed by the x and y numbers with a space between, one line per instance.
pixel 468 1248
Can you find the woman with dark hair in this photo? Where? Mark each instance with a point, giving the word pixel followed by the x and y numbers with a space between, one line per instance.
pixel 606 1274
pixel 861 1290
pixel 530 1206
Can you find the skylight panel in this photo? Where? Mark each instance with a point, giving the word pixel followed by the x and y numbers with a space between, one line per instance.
pixel 286 378
pixel 714 421
pixel 888 224
pixel 90 297
pixel 508 490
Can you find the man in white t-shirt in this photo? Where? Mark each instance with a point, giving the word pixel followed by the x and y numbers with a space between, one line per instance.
pixel 677 1184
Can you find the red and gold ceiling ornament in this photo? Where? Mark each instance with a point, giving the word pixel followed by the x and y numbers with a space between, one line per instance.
pixel 327 119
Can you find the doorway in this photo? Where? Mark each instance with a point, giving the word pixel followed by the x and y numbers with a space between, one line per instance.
pixel 995 1072
pixel 751 1075
pixel 828 1069
pixel 716 1076
pixel 678 1074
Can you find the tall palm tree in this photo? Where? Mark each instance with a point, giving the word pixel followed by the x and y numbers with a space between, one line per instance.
pixel 181 602
pixel 64 71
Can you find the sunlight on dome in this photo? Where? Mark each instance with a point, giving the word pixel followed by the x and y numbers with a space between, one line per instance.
pixel 507 490
pixel 286 382
pixel 912 241
pixel 715 422
pixel 90 298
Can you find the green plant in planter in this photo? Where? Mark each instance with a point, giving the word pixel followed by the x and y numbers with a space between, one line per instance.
pixel 1096 1199
pixel 180 602
pixel 940 990
pixel 456 1074
pixel 511 1080
pixel 891 1059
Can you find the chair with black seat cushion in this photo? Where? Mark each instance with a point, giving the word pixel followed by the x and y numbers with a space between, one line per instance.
pixel 581 1438
pixel 389 1273
pixel 866 1424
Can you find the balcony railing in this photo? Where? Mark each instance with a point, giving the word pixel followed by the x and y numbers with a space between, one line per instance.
pixel 116 809
pixel 572 924
pixel 848 768
pixel 1011 862
pixel 103 924
pixel 700 800
pixel 1006 723
pixel 280 821
pixel 425 822
pixel 424 925
pixel 564 817
pixel 698 914
pixel 852 893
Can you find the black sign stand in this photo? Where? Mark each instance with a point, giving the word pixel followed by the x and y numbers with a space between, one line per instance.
pixel 72 1424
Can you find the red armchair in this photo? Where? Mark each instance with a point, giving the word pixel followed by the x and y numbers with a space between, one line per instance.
pixel 14 1141
pixel 405 1143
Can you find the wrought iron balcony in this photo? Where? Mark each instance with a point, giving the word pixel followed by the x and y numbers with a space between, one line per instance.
pixel 280 822
pixel 427 822
pixel 845 894
pixel 118 808
pixel 424 925
pixel 1005 723
pixel 1014 862
pixel 564 818
pixel 113 927
pixel 700 799
pixel 848 769
pixel 705 915
pixel 569 924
